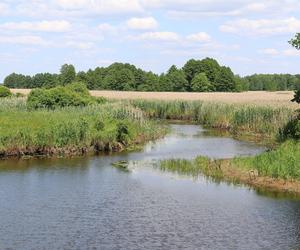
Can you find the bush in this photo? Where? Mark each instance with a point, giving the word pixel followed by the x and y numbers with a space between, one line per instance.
pixel 79 88
pixel 292 129
pixel 73 95
pixel 5 92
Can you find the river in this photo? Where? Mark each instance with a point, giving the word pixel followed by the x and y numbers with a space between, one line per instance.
pixel 86 203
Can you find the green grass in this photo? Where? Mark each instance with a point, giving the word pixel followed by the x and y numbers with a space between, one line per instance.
pixel 283 162
pixel 72 128
pixel 200 165
pixel 239 119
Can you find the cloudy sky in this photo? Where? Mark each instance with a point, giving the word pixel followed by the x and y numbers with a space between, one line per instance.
pixel 249 36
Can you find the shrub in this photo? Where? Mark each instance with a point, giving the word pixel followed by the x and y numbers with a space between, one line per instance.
pixel 73 95
pixel 292 129
pixel 79 88
pixel 5 92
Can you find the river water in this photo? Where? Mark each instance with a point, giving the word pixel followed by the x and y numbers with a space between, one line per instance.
pixel 85 203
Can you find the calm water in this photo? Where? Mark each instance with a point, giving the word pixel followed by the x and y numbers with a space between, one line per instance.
pixel 85 203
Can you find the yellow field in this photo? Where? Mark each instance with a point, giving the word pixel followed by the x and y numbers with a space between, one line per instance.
pixel 281 98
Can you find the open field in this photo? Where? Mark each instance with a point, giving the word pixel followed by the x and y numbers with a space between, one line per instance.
pixel 281 98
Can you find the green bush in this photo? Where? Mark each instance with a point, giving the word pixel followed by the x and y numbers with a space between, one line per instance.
pixel 79 88
pixel 292 129
pixel 75 94
pixel 5 92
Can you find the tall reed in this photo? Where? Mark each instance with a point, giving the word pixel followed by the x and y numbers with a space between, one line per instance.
pixel 266 121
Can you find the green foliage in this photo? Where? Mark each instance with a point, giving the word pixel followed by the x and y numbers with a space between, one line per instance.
pixel 283 162
pixel 123 134
pixel 5 92
pixel 70 129
pixel 265 121
pixel 296 41
pixel 297 96
pixel 200 83
pixel 273 82
pixel 75 94
pixel 292 129
pixel 67 74
pixel 127 77
pixel 18 81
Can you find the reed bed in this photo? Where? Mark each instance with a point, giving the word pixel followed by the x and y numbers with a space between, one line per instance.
pixel 71 130
pixel 262 120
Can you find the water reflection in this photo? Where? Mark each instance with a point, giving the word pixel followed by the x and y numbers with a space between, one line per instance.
pixel 85 203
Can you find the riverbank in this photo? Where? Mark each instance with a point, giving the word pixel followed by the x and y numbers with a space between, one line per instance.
pixel 73 130
pixel 277 170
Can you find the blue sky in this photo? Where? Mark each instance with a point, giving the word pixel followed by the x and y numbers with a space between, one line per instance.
pixel 249 36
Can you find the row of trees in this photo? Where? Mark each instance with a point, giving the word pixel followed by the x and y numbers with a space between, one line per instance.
pixel 196 75
pixel 205 75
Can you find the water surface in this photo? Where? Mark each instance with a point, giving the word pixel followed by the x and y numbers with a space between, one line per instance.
pixel 85 203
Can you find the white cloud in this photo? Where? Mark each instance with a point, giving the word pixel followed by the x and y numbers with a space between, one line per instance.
pixel 276 52
pixel 102 6
pixel 199 37
pixel 3 9
pixel 106 27
pixel 43 26
pixel 265 27
pixel 165 36
pixel 146 23
pixel 291 52
pixel 80 45
pixel 269 51
pixel 24 40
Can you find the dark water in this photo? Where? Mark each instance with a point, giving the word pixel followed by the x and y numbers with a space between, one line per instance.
pixel 85 203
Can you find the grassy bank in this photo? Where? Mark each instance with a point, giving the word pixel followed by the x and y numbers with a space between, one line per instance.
pixel 71 130
pixel 265 121
pixel 277 170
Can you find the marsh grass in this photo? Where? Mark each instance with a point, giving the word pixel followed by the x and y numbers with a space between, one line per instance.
pixel 265 121
pixel 199 166
pixel 283 162
pixel 71 129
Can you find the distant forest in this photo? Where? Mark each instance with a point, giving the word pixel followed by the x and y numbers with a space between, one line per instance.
pixel 205 75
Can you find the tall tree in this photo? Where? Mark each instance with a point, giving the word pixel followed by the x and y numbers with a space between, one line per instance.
pixel 200 83
pixel 67 74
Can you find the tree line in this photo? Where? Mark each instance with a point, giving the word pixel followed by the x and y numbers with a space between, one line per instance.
pixel 205 75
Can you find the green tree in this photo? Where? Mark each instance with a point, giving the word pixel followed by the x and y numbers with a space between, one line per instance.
pixel 224 81
pixel 192 68
pixel 67 74
pixel 175 80
pixel 296 41
pixel 200 83
pixel 45 80
pixel 18 81
pixel 119 80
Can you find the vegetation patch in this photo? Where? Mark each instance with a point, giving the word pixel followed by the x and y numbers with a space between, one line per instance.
pixel 265 122
pixel 4 92
pixel 71 130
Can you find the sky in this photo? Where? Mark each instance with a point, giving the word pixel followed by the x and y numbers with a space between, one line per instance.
pixel 247 35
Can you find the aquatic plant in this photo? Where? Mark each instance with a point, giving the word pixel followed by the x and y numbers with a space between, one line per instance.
pixel 263 120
